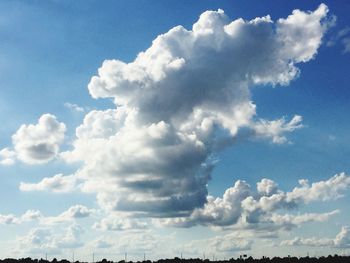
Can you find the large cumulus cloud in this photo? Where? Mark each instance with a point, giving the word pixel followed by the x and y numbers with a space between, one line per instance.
pixel 180 101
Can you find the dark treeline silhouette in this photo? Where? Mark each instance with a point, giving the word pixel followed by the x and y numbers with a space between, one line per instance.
pixel 328 259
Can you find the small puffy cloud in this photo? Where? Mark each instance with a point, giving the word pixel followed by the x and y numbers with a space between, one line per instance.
pixel 70 215
pixel 267 187
pixel 73 107
pixel 153 154
pixel 330 189
pixel 7 156
pixel 342 240
pixel 277 128
pixel 46 240
pixel 77 211
pixel 35 143
pixel 9 219
pixel 312 242
pixel 58 184
pixel 39 143
pixel 119 224
pixel 29 215
pixel 288 221
pixel 230 243
pixel 302 33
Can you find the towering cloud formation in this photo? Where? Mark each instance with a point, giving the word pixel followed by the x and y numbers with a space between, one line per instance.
pixel 152 154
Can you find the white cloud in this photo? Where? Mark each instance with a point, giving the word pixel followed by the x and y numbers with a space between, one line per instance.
pixel 342 240
pixel 242 208
pixel 302 33
pixel 73 107
pixel 267 187
pixel 177 104
pixel 152 155
pixel 46 240
pixel 35 143
pixel 70 215
pixel 58 183
pixel 11 219
pixel 324 190
pixel 288 221
pixel 230 243
pixel 224 244
pixel 38 240
pixel 317 242
pixel 30 215
pixel 112 223
pixel 277 128
pixel 217 211
pixel 77 211
pixel 7 156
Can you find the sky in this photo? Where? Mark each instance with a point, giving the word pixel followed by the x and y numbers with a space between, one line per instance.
pixel 163 128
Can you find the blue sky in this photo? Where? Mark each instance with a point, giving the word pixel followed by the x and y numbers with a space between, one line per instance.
pixel 107 151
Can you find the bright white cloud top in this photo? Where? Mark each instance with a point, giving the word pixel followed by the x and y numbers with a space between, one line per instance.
pixel 148 160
